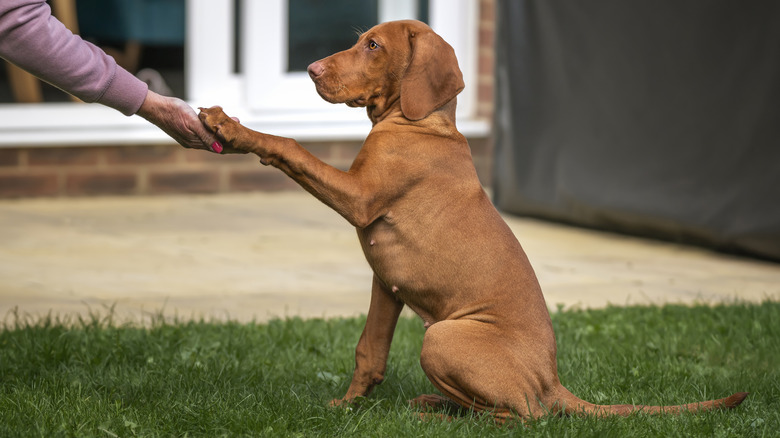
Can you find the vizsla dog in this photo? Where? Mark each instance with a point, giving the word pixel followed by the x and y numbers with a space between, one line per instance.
pixel 429 232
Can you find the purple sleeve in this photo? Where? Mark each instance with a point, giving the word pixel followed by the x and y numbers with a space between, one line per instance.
pixel 37 42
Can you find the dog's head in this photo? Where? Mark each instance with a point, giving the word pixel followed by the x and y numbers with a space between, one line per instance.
pixel 396 63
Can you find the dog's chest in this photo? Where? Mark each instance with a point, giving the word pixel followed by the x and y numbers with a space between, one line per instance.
pixel 386 249
pixel 400 257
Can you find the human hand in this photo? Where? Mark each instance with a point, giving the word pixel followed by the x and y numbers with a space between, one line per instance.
pixel 177 119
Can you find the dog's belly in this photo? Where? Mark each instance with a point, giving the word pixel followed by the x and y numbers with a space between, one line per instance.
pixel 428 267
pixel 394 257
pixel 457 262
pixel 400 260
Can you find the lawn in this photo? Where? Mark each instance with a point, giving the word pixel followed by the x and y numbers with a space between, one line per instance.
pixel 93 377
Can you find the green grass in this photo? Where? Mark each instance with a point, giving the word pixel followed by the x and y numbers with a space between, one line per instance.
pixel 97 378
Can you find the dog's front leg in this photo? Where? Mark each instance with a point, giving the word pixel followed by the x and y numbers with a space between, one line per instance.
pixel 239 137
pixel 357 198
pixel 374 344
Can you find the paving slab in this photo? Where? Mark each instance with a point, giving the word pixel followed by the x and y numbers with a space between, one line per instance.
pixel 264 255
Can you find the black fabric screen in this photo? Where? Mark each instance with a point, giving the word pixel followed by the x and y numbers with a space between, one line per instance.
pixel 658 118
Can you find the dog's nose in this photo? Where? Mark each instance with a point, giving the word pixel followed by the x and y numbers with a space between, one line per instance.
pixel 315 69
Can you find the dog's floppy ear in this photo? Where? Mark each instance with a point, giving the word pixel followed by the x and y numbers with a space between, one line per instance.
pixel 432 78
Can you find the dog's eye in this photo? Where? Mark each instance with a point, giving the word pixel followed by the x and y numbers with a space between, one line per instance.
pixel 372 45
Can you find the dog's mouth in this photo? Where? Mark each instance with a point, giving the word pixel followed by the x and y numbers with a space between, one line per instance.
pixel 339 92
pixel 336 94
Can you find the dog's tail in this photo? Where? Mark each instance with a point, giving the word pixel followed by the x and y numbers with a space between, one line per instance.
pixel 572 405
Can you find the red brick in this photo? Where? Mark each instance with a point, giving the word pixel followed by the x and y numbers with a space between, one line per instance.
pixel 486 38
pixel 322 150
pixel 484 171
pixel 261 179
pixel 28 185
pixel 348 150
pixel 486 64
pixel 184 182
pixel 485 92
pixel 480 148
pixel 198 156
pixel 485 111
pixel 487 10
pixel 141 154
pixel 101 184
pixel 63 156
pixel 9 157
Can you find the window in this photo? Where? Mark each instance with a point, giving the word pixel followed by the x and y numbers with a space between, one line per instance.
pixel 269 90
pixel 315 28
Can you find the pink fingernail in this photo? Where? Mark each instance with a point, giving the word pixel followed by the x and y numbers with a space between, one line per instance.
pixel 216 147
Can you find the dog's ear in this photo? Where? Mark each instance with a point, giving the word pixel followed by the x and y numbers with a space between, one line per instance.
pixel 432 78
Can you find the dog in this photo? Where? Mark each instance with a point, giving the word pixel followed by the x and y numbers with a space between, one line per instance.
pixel 430 233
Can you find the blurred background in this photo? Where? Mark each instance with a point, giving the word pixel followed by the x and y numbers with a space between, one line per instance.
pixel 650 118
pixel 250 58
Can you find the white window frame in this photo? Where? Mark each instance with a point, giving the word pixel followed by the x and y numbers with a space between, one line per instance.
pixel 265 96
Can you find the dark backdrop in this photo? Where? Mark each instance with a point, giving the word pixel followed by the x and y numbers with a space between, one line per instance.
pixel 658 117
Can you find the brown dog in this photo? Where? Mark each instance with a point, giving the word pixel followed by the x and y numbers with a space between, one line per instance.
pixel 431 235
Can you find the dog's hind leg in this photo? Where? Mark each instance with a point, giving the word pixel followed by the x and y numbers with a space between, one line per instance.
pixel 471 364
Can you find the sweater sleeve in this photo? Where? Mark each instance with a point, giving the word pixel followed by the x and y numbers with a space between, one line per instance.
pixel 37 42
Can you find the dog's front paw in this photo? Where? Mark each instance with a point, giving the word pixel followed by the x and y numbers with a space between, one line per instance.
pixel 224 127
pixel 338 403
pixel 345 403
pixel 216 121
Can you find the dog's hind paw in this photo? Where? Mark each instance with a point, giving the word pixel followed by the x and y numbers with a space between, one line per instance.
pixel 433 401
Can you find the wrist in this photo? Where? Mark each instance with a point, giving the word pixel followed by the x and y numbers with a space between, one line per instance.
pixel 150 108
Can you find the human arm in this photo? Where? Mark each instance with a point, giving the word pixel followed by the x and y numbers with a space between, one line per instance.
pixel 38 43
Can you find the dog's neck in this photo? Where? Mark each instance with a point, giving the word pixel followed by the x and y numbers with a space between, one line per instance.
pixel 377 113
pixel 384 108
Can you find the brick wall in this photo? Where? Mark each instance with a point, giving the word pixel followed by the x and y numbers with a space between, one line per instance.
pixel 165 169
pixel 486 59
pixel 139 170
